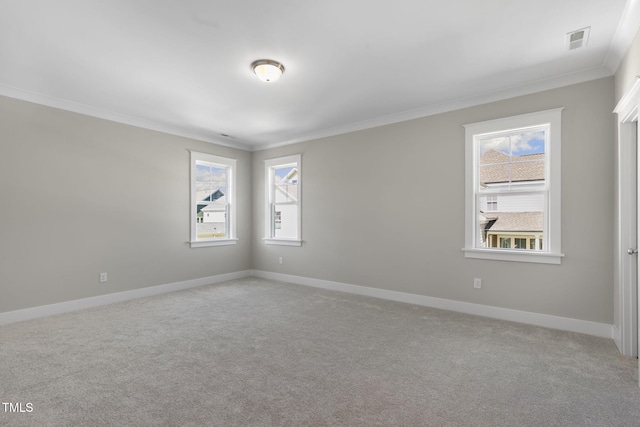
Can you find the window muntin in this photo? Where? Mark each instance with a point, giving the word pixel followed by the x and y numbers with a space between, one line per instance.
pixel 212 200
pixel 513 188
pixel 283 208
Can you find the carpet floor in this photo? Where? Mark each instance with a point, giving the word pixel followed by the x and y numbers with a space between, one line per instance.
pixel 255 352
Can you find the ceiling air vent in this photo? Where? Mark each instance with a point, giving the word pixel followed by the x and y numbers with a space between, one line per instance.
pixel 577 39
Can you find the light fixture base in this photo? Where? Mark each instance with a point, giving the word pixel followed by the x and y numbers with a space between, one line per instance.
pixel 267 70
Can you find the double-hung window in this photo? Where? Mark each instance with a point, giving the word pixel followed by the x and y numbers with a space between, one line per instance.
pixel 283 178
pixel 213 210
pixel 513 188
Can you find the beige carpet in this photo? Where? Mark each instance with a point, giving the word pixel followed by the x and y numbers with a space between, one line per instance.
pixel 260 353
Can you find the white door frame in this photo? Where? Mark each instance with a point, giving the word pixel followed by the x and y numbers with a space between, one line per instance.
pixel 626 283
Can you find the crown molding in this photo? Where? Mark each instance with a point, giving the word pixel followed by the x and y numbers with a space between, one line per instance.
pixel 101 113
pixel 627 108
pixel 472 101
pixel 624 35
pixel 482 98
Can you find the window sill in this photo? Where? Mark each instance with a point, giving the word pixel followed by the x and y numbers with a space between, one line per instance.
pixel 514 255
pixel 283 242
pixel 216 242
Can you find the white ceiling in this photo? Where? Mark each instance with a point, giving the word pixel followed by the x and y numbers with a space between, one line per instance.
pixel 182 66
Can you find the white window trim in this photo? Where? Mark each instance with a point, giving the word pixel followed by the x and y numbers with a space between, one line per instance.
pixel 554 254
pixel 269 165
pixel 223 161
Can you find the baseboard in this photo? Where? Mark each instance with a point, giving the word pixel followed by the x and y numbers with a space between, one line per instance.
pixel 80 304
pixel 548 321
pixel 545 320
pixel 617 338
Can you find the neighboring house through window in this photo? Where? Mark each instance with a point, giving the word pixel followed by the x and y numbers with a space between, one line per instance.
pixel 212 200
pixel 283 178
pixel 491 203
pixel 513 188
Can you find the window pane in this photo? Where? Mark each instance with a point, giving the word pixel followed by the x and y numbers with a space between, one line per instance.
pixel 277 220
pixel 211 182
pixel 488 203
pixel 511 161
pixel 211 221
pixel 507 162
pixel 518 214
pixel 282 197
pixel 203 190
pixel 285 219
pixel 505 242
pixel 286 184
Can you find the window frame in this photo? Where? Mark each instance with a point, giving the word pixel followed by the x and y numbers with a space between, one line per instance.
pixel 552 213
pixel 270 166
pixel 226 162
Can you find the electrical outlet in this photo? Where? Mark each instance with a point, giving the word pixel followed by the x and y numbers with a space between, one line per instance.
pixel 477 283
pixel 280 260
pixel 103 277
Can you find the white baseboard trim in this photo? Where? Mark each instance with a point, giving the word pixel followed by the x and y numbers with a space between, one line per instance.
pixel 554 322
pixel 617 338
pixel 80 304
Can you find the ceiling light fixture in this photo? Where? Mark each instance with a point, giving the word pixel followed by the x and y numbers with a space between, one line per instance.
pixel 267 70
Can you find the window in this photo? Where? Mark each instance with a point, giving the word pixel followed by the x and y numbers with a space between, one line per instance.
pixel 513 188
pixel 505 242
pixel 212 200
pixel 282 201
pixel 520 243
pixel 492 203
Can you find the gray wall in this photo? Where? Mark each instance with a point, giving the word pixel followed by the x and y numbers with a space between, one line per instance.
pixel 384 208
pixel 381 207
pixel 82 195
